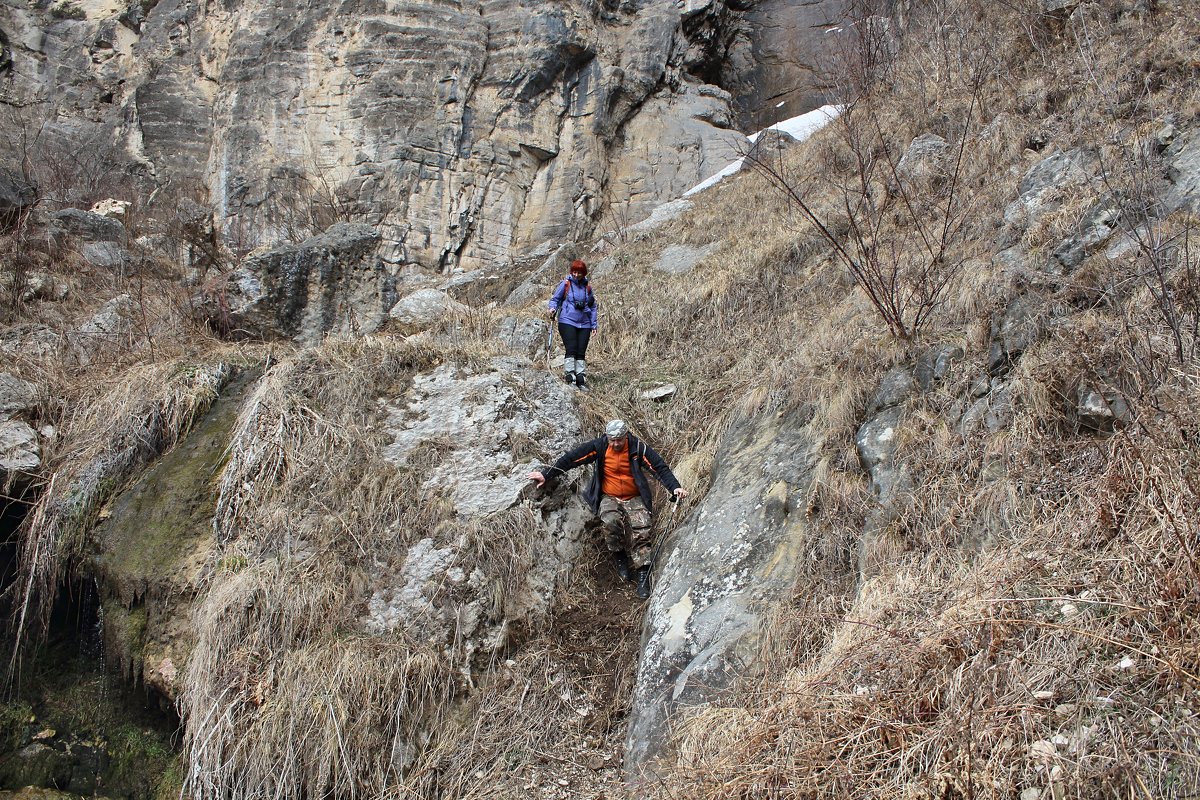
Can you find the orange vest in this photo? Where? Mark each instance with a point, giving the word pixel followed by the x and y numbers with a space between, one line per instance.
pixel 617 480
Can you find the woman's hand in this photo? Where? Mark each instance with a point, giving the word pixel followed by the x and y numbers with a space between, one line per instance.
pixel 537 477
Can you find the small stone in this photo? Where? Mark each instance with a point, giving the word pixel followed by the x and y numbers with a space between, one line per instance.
pixel 45 735
pixel 1069 609
pixel 595 762
pixel 1044 695
pixel 660 393
pixel 1043 750
pixel 1031 794
pixel 1126 663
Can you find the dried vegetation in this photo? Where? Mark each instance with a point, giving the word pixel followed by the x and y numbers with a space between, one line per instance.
pixel 1032 626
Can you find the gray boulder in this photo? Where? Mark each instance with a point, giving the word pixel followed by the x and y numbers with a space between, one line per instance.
pixel 35 342
pixel 16 196
pixel 331 283
pixel 1036 191
pixel 20 453
pixel 1183 170
pixel 876 445
pixel 1096 227
pixel 1101 409
pixel 108 255
pixel 481 472
pixel 992 412
pixel 16 395
pixel 1016 329
pixel 924 159
pixel 895 387
pixel 934 364
pixel 718 575
pixel 423 308
pixel 515 417
pixel 86 226
pixel 525 336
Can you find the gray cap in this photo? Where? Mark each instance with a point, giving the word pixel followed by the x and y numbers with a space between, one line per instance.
pixel 616 429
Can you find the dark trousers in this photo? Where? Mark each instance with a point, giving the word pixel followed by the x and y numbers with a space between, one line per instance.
pixel 575 340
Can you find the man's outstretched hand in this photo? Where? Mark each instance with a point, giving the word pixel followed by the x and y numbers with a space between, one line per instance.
pixel 537 478
pixel 681 493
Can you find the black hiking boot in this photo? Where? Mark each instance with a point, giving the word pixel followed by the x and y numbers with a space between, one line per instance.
pixel 643 582
pixel 569 377
pixel 581 381
pixel 621 562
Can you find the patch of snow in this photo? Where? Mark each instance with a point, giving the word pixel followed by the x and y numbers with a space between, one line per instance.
pixel 799 128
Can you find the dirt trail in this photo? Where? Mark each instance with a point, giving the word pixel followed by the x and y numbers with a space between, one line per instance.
pixel 590 658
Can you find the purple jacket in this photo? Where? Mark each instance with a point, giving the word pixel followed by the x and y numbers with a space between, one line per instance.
pixel 576 291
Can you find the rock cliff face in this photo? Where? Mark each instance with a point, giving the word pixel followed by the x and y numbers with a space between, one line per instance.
pixel 463 131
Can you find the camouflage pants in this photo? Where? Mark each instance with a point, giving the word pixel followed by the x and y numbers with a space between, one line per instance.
pixel 627 527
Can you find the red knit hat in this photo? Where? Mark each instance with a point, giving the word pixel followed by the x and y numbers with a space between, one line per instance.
pixel 578 266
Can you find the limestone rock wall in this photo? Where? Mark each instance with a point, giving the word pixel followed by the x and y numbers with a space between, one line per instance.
pixel 464 131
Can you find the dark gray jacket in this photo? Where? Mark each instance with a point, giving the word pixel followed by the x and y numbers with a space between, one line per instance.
pixel 641 457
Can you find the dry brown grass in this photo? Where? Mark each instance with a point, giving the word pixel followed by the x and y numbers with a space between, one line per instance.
pixel 938 677
pixel 988 654
pixel 287 692
pixel 945 673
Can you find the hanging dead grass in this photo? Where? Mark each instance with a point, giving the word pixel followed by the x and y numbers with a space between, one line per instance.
pixel 112 434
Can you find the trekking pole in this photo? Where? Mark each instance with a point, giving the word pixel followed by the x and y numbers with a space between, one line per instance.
pixel 550 340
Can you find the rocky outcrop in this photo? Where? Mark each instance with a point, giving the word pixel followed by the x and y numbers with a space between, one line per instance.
pixel 783 59
pixel 99 239
pixel 20 449
pixel 331 283
pixel 485 424
pixel 16 196
pixel 719 574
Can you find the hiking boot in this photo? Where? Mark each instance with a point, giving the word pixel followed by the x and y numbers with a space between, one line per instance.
pixel 569 377
pixel 643 582
pixel 621 562
pixel 581 381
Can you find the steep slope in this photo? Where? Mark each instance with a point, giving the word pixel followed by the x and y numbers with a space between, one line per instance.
pixel 934 400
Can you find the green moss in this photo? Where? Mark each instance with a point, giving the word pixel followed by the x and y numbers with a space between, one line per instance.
pixel 15 719
pixel 168 512
pixel 125 630
pixel 101 730
pixel 170 783
pixel 139 760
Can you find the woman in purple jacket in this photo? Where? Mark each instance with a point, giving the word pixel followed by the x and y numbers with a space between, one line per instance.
pixel 575 306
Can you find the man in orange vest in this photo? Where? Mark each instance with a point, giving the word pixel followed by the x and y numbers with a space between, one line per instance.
pixel 620 493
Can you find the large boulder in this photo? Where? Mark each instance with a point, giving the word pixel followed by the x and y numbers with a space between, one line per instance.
pixel 718 576
pixel 1039 191
pixel 1183 170
pixel 20 453
pixel 331 283
pixel 16 196
pixel 86 226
